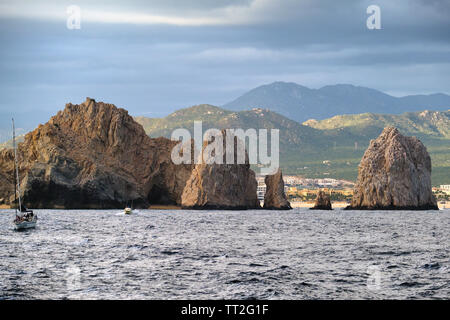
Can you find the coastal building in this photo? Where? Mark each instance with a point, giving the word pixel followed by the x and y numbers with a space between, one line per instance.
pixel 261 190
pixel 310 193
pixel 327 182
pixel 445 188
pixel 344 192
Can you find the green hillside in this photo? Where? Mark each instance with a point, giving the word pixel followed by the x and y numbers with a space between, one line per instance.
pixel 327 148
pixel 292 134
pixel 429 124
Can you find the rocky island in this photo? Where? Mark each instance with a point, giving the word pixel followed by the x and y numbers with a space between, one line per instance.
pixel 94 155
pixel 221 186
pixel 394 174
pixel 275 197
pixel 322 202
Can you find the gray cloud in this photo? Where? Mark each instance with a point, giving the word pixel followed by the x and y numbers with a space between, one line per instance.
pixel 154 69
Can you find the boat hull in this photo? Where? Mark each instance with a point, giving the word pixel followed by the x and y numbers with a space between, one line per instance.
pixel 25 224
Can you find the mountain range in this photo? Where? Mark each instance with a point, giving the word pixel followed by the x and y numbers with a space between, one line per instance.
pixel 301 103
pixel 323 132
pixel 292 100
pixel 317 148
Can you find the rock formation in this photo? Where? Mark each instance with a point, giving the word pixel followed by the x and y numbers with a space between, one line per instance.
pixel 322 202
pixel 275 197
pixel 394 173
pixel 93 155
pixel 6 175
pixel 221 186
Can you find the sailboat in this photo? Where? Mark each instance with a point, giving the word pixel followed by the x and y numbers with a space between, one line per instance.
pixel 25 218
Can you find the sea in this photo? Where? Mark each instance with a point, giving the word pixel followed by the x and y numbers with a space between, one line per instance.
pixel 253 254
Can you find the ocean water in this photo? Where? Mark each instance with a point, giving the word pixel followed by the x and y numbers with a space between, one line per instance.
pixel 297 254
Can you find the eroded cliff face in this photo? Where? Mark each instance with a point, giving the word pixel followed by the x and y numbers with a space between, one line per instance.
pixel 93 155
pixel 275 197
pixel 323 201
pixel 6 176
pixel 221 186
pixel 394 173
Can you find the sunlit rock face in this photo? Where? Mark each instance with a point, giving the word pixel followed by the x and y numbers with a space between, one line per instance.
pixel 394 173
pixel 275 197
pixel 221 186
pixel 93 155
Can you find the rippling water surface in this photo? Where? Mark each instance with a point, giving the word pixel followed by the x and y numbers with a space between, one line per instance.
pixel 298 254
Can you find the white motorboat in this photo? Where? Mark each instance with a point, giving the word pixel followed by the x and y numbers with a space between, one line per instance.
pixel 130 210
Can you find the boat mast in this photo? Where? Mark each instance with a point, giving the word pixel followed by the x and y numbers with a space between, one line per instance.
pixel 16 169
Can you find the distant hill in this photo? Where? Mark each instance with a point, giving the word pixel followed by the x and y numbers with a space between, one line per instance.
pixel 305 148
pixel 293 134
pixel 425 124
pixel 301 103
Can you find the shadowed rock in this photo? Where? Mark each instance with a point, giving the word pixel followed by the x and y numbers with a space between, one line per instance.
pixel 394 173
pixel 221 186
pixel 275 197
pixel 322 202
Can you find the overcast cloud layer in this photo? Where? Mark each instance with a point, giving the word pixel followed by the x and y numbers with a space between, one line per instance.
pixel 153 57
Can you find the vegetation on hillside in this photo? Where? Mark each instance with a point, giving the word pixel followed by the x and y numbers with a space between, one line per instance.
pixel 327 148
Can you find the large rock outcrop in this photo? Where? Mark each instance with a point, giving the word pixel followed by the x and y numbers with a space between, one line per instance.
pixel 275 197
pixel 394 173
pixel 93 155
pixel 221 186
pixel 323 201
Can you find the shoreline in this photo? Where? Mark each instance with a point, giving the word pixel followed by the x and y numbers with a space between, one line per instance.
pixel 343 204
pixel 152 207
pixel 310 204
pixel 164 207
pixel 299 204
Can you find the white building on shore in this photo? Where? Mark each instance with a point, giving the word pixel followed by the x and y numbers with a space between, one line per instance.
pixel 261 190
pixel 445 188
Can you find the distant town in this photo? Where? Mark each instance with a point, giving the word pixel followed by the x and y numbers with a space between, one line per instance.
pixel 300 189
pixel 442 192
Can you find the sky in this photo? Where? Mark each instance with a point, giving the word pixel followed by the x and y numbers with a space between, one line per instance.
pixel 156 56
